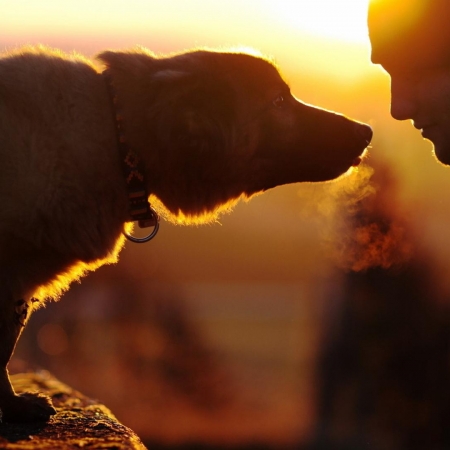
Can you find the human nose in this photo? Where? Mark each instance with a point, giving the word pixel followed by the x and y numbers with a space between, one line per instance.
pixel 403 102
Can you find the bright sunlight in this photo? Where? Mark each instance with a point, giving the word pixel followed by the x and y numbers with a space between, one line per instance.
pixel 344 20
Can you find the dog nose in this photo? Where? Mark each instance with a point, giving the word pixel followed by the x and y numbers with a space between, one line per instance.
pixel 364 131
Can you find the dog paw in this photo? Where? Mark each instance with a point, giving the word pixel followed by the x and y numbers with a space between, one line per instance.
pixel 28 407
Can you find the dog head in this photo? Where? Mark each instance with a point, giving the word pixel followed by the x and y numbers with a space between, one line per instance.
pixel 212 127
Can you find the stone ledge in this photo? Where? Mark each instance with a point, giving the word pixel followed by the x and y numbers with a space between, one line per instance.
pixel 80 422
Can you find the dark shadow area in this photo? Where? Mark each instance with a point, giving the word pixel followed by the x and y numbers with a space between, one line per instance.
pixel 202 446
pixel 19 432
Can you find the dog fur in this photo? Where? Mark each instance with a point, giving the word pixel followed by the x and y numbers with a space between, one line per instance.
pixel 211 127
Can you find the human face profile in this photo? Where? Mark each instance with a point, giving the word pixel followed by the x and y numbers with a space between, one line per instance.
pixel 411 42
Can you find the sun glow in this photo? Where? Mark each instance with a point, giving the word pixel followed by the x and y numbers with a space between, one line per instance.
pixel 344 20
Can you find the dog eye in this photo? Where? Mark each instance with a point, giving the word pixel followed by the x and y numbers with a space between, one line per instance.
pixel 279 102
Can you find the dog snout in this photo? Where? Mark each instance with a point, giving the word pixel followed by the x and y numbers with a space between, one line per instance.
pixel 364 131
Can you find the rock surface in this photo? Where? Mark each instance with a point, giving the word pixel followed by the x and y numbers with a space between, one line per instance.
pixel 80 422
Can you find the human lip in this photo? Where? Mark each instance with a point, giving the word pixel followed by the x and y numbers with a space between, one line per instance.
pixel 426 129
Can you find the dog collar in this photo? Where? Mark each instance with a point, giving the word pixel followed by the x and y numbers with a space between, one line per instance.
pixel 134 174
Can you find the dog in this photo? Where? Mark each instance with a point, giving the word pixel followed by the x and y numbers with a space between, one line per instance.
pixel 83 151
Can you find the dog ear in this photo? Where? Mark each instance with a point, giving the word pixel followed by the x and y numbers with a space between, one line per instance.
pixel 191 112
pixel 133 62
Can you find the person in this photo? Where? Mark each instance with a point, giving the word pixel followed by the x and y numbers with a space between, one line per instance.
pixel 410 39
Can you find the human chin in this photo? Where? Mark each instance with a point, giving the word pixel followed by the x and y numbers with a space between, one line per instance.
pixel 441 149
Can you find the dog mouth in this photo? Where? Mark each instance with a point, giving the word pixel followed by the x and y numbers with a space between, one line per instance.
pixel 357 161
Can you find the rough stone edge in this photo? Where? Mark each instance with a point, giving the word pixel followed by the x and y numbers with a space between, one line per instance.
pixel 80 422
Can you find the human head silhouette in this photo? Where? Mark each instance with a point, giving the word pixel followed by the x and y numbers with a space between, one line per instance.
pixel 411 40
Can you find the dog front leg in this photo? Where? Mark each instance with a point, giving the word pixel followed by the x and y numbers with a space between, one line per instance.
pixel 26 407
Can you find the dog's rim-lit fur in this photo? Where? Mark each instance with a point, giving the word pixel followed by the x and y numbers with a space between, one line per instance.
pixel 211 128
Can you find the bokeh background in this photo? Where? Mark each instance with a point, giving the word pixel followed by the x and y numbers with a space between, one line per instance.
pixel 256 332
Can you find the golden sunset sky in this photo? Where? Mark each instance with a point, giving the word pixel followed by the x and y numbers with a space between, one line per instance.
pixel 338 19
pixel 291 29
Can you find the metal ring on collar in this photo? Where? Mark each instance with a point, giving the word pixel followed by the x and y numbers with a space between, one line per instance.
pixel 144 239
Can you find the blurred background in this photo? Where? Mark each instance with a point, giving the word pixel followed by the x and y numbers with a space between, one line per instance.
pixel 316 315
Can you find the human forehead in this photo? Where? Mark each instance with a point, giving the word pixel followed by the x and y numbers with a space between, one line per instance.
pixel 410 34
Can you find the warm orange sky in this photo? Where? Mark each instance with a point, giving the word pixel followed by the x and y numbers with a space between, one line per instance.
pixel 321 35
pixel 337 19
